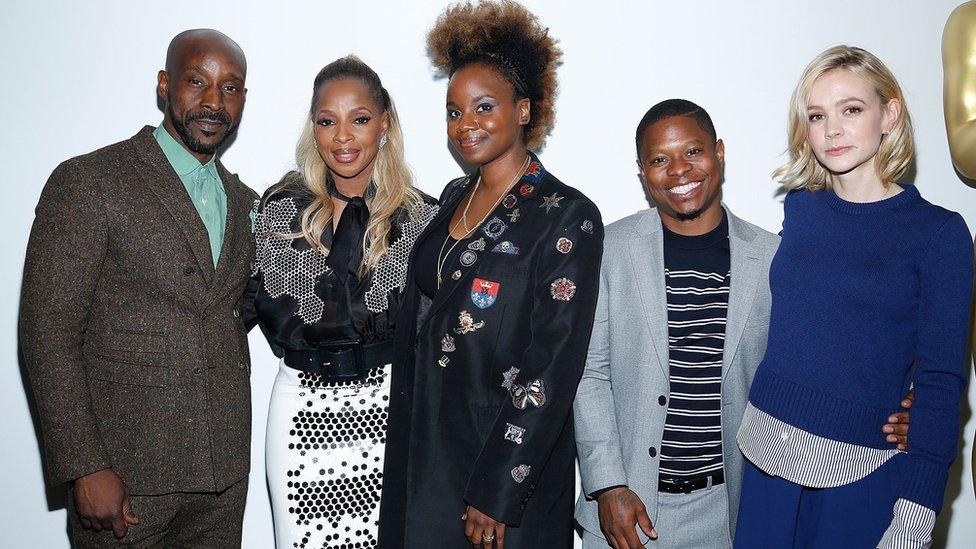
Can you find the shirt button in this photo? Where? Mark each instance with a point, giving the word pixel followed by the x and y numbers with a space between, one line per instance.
pixel 785 435
pixel 662 400
pixel 187 271
pixel 652 451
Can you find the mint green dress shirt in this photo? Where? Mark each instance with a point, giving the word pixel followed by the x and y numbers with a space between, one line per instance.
pixel 202 183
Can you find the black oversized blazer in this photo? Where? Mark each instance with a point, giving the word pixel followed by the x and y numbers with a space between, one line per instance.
pixel 462 430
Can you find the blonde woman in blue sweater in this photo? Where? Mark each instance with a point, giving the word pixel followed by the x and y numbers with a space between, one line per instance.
pixel 871 291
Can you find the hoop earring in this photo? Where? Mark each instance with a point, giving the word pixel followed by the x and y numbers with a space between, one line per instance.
pixel 383 141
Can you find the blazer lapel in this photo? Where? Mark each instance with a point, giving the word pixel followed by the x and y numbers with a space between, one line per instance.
pixel 647 255
pixel 746 267
pixel 166 185
pixel 444 216
pixel 236 203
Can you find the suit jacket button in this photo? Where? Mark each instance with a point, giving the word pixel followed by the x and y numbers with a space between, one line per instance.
pixel 652 451
pixel 187 271
pixel 236 313
pixel 662 400
pixel 197 371
pixel 241 365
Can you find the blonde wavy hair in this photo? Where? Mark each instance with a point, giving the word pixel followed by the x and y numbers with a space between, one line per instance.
pixel 391 176
pixel 897 150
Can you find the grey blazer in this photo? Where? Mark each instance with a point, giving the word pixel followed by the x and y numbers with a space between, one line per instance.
pixel 618 416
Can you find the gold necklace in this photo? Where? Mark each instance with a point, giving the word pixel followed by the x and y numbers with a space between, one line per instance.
pixel 441 256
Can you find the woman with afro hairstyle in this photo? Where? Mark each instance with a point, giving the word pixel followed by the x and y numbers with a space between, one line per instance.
pixel 497 310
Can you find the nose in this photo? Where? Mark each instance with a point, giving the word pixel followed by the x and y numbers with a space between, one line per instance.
pixel 679 166
pixel 342 134
pixel 833 129
pixel 466 122
pixel 212 98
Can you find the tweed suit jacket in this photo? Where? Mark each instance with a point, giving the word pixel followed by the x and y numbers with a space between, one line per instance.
pixel 133 341
pixel 618 412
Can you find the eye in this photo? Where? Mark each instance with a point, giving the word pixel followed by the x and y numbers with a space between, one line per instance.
pixel 484 107
pixel 694 152
pixel 453 113
pixel 230 88
pixel 816 117
pixel 325 122
pixel 658 160
pixel 196 81
pixel 361 120
pixel 852 110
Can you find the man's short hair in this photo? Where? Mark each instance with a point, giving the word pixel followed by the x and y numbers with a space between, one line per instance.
pixel 674 107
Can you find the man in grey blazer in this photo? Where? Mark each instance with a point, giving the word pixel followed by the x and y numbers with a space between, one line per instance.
pixel 680 328
pixel 130 319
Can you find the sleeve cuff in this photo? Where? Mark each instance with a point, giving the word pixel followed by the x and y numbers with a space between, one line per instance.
pixel 910 528
pixel 597 493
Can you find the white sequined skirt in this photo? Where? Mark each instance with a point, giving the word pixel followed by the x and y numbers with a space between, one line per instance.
pixel 324 453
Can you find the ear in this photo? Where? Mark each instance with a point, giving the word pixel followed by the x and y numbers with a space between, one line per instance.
pixel 162 85
pixel 892 111
pixel 640 170
pixel 524 107
pixel 720 152
pixel 385 122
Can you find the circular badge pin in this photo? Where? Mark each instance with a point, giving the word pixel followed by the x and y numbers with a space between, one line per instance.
pixel 456 275
pixel 562 289
pixel 564 245
pixel 587 226
pixel 526 189
pixel 509 201
pixel 468 257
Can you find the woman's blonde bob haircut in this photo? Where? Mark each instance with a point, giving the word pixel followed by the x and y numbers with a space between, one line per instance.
pixel 897 150
pixel 391 177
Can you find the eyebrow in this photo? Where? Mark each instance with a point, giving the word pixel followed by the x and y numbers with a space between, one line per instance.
pixel 842 101
pixel 683 145
pixel 330 111
pixel 476 99
pixel 200 70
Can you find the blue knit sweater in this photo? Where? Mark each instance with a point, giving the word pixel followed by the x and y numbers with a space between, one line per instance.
pixel 867 298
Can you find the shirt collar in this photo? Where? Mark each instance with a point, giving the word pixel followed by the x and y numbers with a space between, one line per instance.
pixel 179 158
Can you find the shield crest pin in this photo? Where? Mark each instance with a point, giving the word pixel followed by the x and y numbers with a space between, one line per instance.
pixel 484 292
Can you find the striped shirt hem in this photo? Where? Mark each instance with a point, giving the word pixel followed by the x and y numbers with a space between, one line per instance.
pixel 803 458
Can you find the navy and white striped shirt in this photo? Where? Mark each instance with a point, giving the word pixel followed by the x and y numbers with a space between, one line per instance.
pixel 696 269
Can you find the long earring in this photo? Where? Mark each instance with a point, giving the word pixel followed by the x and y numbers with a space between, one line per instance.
pixel 383 141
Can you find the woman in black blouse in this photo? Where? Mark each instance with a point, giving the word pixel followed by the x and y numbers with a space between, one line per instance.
pixel 333 239
pixel 497 309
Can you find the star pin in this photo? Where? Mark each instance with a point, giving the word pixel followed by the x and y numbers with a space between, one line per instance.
pixel 551 201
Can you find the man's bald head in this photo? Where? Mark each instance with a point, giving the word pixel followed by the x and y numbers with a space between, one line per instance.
pixel 202 89
pixel 190 42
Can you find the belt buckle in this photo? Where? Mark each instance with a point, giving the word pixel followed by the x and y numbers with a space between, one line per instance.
pixel 334 358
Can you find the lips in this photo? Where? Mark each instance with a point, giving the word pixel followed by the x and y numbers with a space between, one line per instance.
pixel 345 156
pixel 208 126
pixel 469 143
pixel 837 151
pixel 685 189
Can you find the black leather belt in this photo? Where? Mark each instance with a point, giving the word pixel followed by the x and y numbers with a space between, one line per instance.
pixel 341 360
pixel 688 485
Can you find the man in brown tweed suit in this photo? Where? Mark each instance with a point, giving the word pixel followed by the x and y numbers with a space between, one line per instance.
pixel 130 318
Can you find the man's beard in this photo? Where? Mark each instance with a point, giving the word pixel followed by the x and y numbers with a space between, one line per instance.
pixel 181 127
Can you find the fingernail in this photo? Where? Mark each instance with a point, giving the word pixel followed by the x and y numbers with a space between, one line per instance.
pixel 892 438
pixel 888 429
pixel 892 419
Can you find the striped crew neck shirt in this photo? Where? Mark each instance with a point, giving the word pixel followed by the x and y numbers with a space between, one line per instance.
pixel 697 274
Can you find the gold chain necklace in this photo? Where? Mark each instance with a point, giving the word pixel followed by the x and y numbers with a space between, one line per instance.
pixel 441 256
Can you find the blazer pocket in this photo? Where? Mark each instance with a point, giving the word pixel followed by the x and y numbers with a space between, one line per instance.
pixel 136 341
pixel 109 368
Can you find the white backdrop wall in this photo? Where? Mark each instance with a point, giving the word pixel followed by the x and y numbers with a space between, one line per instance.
pixel 78 76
